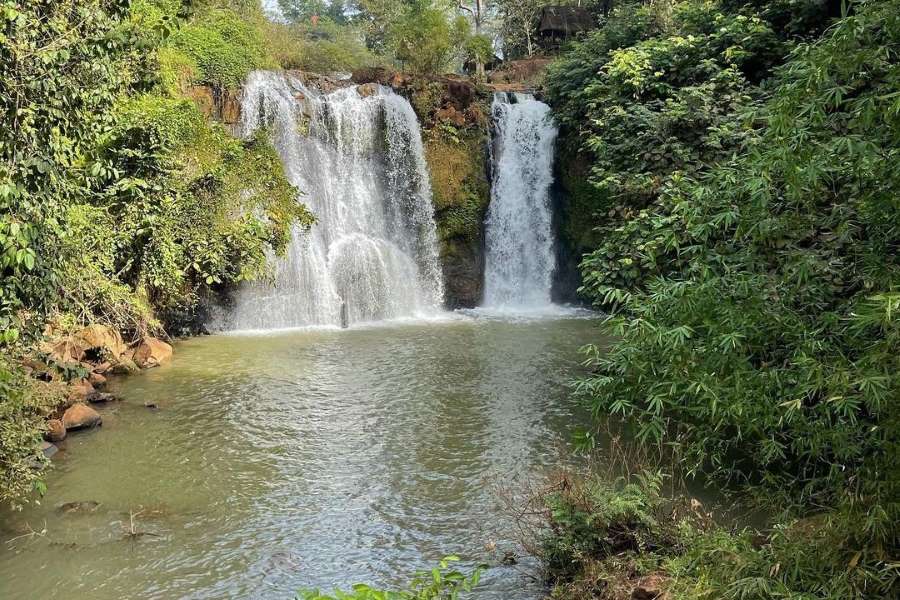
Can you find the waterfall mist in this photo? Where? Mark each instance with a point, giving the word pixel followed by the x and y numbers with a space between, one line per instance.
pixel 360 166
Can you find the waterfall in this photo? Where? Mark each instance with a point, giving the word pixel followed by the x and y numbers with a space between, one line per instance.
pixel 520 255
pixel 359 165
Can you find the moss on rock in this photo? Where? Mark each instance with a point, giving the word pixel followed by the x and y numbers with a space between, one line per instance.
pixel 456 159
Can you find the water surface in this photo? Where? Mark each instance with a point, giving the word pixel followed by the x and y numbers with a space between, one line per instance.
pixel 316 458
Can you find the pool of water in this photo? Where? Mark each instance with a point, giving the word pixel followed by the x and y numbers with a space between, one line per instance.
pixel 304 459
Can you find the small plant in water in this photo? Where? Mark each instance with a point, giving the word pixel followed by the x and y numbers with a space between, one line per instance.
pixel 441 583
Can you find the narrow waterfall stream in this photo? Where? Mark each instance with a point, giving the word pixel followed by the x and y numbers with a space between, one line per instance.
pixel 520 260
pixel 359 163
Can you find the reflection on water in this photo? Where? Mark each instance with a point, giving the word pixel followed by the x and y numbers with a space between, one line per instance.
pixel 303 459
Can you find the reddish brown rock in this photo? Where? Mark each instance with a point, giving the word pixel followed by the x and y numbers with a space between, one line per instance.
pixel 651 587
pixel 450 115
pixel 81 416
pixel 56 431
pixel 96 379
pixel 80 390
pixel 367 89
pixel 203 97
pixel 151 352
pixel 103 367
pixel 102 339
pixel 64 351
pixel 230 108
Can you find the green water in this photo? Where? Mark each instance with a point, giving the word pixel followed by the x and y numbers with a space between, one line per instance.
pixel 276 462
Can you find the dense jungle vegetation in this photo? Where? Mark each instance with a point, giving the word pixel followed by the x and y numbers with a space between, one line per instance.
pixel 121 203
pixel 741 226
pixel 732 170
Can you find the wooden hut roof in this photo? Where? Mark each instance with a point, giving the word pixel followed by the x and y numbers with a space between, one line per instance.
pixel 565 19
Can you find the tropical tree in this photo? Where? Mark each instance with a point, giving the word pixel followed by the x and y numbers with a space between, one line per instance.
pixel 518 20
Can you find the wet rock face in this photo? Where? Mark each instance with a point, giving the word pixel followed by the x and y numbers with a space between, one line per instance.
pixel 430 95
pixel 217 103
pixel 464 276
pixel 48 449
pixel 461 191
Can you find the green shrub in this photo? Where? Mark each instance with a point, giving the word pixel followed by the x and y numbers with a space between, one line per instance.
pixel 323 48
pixel 441 583
pixel 602 538
pixel 598 519
pixel 766 347
pixel 24 404
pixel 200 208
pixel 225 45
pixel 177 71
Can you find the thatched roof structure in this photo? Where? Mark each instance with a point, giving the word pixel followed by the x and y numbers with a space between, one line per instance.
pixel 565 20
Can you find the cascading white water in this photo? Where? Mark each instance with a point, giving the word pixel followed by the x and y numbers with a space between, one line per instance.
pixel 520 256
pixel 359 163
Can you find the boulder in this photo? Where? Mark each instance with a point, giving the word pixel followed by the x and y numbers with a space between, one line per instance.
pixel 651 587
pixel 124 366
pixel 64 351
pixel 80 391
pixel 460 92
pixel 367 89
pixel 151 352
pixel 56 431
pixel 102 398
pixel 81 416
pixel 101 338
pixel 48 449
pixel 103 367
pixel 372 75
pixel 96 379
pixel 398 80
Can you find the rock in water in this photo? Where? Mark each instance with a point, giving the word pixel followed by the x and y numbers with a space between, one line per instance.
pixel 81 391
pixel 81 416
pixel 152 352
pixel 78 506
pixel 48 449
pixel 56 431
pixel 124 365
pixel 102 397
